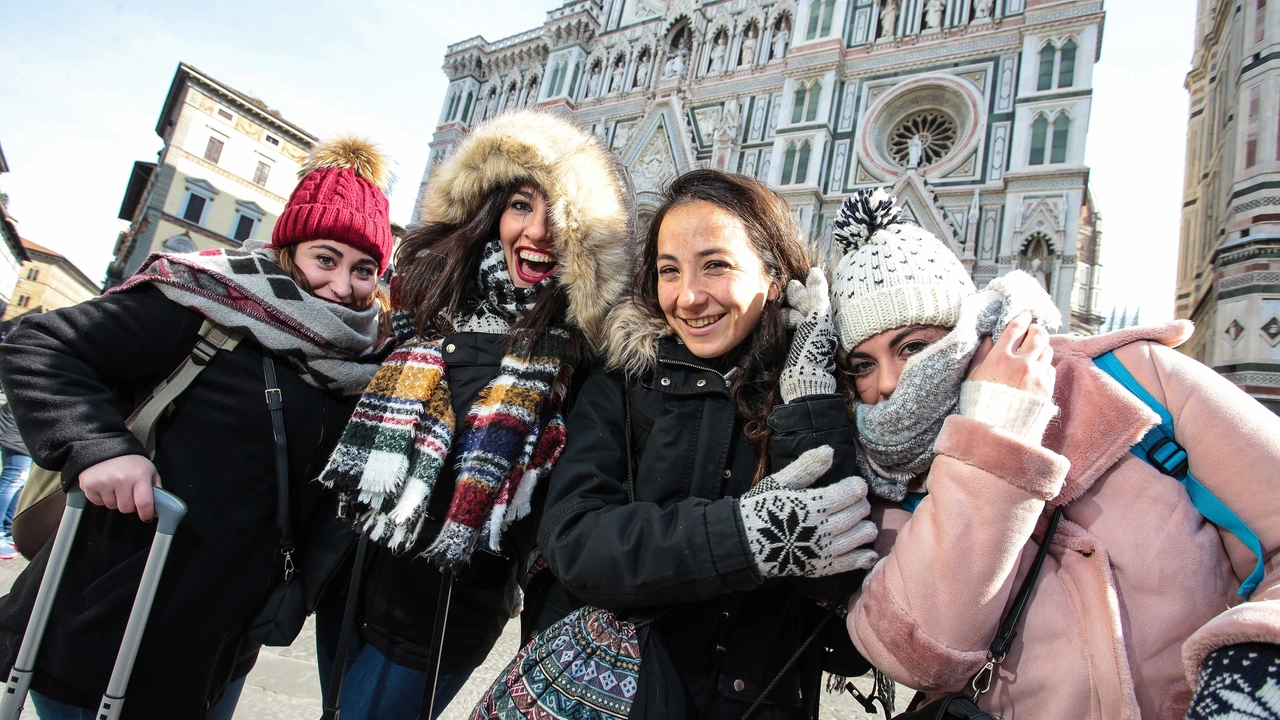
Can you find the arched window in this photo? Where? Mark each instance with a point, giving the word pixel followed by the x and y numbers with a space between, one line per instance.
pixel 1039 132
pixel 573 84
pixel 466 108
pixel 1260 22
pixel 1061 129
pixel 453 107
pixel 1067 66
pixel 821 12
pixel 797 110
pixel 815 95
pixel 828 12
pixel 1046 67
pixel 802 162
pixel 788 163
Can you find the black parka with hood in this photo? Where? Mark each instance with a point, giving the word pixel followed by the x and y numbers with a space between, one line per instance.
pixel 591 224
pixel 679 546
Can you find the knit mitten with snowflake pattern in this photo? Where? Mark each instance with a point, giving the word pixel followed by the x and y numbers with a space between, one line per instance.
pixel 1239 682
pixel 813 347
pixel 794 530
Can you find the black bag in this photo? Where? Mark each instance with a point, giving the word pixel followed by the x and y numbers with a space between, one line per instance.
pixel 325 552
pixel 964 706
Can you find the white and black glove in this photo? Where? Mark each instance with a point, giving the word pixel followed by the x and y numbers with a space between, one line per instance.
pixel 811 361
pixel 797 531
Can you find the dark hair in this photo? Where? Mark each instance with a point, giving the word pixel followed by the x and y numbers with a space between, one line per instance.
pixel 437 267
pixel 778 242
pixel 286 258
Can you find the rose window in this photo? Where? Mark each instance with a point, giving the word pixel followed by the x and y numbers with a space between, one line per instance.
pixel 937 133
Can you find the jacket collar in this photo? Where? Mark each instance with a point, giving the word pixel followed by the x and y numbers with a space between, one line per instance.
pixel 1098 419
pixel 680 372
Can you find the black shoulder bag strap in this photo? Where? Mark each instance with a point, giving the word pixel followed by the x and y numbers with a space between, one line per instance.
pixel 965 705
pixel 275 403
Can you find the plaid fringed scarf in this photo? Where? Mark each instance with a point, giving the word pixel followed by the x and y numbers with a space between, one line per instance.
pixel 247 291
pixel 402 431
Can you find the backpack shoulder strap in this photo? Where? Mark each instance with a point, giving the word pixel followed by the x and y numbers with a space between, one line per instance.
pixel 1160 448
pixel 213 339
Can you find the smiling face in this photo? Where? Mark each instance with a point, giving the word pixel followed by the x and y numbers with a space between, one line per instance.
pixel 712 286
pixel 876 363
pixel 337 272
pixel 526 237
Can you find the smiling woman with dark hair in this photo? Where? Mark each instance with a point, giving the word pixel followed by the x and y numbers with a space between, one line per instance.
pixel 705 480
pixel 307 307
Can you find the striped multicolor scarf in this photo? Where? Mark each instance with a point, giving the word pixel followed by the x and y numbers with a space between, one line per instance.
pixel 402 431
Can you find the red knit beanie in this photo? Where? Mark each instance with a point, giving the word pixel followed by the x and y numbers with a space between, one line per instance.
pixel 340 197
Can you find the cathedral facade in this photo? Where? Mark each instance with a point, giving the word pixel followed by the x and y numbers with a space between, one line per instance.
pixel 1229 256
pixel 974 112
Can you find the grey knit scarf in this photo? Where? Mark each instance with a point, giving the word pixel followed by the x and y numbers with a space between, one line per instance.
pixel 897 435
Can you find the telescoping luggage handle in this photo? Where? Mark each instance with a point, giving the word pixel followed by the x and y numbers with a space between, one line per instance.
pixel 169 513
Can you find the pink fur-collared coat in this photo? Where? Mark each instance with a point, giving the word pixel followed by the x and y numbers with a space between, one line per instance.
pixel 1137 588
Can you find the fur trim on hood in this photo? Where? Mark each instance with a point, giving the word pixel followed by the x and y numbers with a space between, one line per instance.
pixel 631 338
pixel 589 209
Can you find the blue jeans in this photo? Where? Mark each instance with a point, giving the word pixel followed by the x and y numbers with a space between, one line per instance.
pixel 47 709
pixel 12 477
pixel 378 689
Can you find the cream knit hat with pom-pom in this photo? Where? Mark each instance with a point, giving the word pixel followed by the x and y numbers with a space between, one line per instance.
pixel 892 273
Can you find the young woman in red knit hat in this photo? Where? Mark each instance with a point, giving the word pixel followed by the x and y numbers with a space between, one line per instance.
pixel 308 308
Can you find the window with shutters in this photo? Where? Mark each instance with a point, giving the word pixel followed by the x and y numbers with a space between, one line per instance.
pixel 213 151
pixel 33 274
pixel 1260 22
pixel 1039 136
pixel 1047 56
pixel 260 174
pixel 194 211
pixel 1061 131
pixel 1067 65
pixel 244 228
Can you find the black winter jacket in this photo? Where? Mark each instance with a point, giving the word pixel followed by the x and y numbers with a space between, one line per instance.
pixel 401 591
pixel 72 376
pixel 681 544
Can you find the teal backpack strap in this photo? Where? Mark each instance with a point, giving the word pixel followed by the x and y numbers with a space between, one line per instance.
pixel 912 501
pixel 1160 449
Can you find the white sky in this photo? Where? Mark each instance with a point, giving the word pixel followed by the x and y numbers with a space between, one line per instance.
pixel 82 84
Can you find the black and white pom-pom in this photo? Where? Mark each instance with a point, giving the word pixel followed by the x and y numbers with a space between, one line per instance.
pixel 863 214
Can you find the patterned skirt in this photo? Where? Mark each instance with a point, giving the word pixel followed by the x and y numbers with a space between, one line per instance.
pixel 584 667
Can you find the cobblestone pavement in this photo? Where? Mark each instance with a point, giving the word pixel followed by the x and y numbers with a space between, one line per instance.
pixel 284 684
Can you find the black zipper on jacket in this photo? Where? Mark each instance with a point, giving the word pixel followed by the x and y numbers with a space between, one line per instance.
pixel 695 366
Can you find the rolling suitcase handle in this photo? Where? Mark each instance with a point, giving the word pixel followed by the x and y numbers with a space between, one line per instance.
pixel 169 512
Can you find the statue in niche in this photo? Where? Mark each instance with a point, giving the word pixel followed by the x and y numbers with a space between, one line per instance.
pixel 615 82
pixel 727 126
pixel 889 19
pixel 748 57
pixel 621 134
pixel 593 82
pixel 531 95
pixel 1038 272
pixel 491 107
pixel 675 64
pixel 915 148
pixel 642 70
pixel 781 35
pixel 933 14
pixel 718 51
pixel 982 9
pixel 511 98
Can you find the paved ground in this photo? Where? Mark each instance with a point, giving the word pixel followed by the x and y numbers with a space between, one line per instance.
pixel 284 685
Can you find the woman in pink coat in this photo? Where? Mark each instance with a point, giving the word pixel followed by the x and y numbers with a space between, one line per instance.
pixel 1137 611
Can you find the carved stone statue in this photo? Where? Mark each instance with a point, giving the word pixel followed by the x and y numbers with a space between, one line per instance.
pixel 511 99
pixel 491 108
pixel 718 51
pixel 889 19
pixel 933 14
pixel 748 57
pixel 593 83
pixel 675 64
pixel 727 127
pixel 642 71
pixel 780 39
pixel 982 9
pixel 615 82
pixel 915 148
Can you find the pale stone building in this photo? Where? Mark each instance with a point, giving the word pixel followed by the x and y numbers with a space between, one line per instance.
pixel 11 253
pixel 1229 256
pixel 223 176
pixel 974 111
pixel 48 281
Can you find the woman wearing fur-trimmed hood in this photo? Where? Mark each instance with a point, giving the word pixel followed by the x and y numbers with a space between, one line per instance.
pixel 500 294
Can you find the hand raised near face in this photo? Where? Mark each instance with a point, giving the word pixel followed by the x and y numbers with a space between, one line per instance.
pixel 1021 359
